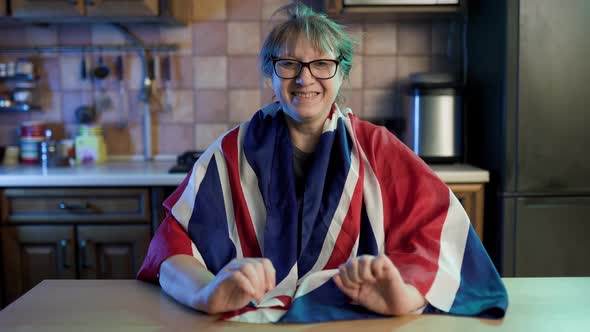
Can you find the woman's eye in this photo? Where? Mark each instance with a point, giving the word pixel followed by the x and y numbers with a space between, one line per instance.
pixel 321 64
pixel 289 64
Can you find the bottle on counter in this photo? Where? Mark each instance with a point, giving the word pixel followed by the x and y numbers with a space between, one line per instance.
pixel 90 145
pixel 32 133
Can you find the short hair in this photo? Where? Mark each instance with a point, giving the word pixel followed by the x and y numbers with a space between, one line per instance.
pixel 323 33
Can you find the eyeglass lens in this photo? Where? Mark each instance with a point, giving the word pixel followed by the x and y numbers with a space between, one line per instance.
pixel 288 68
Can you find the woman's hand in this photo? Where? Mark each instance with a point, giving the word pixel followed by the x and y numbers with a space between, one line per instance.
pixel 236 285
pixel 376 284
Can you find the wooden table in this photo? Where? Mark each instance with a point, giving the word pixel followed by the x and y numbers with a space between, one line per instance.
pixel 536 304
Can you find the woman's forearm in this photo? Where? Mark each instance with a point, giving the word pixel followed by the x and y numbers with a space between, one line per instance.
pixel 183 277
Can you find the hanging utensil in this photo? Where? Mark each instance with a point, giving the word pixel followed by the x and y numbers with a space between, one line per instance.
pixel 119 73
pixel 166 73
pixel 101 72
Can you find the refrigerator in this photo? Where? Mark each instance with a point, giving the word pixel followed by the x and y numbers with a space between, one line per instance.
pixel 527 122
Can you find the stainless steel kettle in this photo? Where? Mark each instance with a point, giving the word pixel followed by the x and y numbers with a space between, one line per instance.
pixel 434 117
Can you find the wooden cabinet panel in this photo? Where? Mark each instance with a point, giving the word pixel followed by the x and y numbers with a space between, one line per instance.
pixel 122 8
pixel 49 8
pixel 3 5
pixel 34 253
pixel 471 197
pixel 112 252
pixel 76 205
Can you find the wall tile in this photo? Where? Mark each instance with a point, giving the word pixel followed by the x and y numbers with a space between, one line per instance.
pixel 181 72
pixel 14 119
pixel 355 80
pixel 209 10
pixel 120 140
pixel 211 105
pixel 70 66
pixel 356 32
pixel 48 69
pixel 353 99
pixel 243 104
pixel 267 96
pixel 270 6
pixel 78 34
pixel 51 108
pixel 244 10
pixel 444 64
pixel 378 104
pixel 206 134
pixel 379 71
pixel 175 138
pixel 243 72
pixel 210 72
pixel 414 38
pixel 412 64
pixel 209 38
pixel 243 38
pixel 104 34
pixel 180 36
pixel 380 39
pixel 113 111
pixel 181 108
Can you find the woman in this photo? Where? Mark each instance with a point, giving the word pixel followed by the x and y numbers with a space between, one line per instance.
pixel 306 213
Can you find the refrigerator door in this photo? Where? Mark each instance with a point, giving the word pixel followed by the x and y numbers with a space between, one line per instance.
pixel 547 236
pixel 554 102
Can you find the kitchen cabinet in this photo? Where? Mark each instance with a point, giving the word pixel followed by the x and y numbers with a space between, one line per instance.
pixel 3 7
pixel 337 9
pixel 63 11
pixel 471 196
pixel 71 233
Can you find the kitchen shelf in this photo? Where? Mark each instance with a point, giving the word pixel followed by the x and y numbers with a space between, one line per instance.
pixel 20 108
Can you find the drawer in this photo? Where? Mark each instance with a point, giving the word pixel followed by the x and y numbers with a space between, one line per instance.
pixel 65 205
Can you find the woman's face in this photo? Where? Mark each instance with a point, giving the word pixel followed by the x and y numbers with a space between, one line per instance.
pixel 305 98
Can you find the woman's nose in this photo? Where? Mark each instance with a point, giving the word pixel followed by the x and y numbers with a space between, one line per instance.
pixel 305 76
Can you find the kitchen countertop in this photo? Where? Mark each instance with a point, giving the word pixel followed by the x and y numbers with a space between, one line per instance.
pixel 134 173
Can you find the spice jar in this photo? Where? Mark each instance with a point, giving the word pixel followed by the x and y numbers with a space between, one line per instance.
pixel 31 134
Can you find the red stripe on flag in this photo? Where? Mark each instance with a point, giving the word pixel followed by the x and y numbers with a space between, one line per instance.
pixel 415 204
pixel 350 225
pixel 172 199
pixel 248 240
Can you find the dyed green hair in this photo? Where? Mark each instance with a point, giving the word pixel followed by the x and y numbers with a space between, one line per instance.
pixel 324 34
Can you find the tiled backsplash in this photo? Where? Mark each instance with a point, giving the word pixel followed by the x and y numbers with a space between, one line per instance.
pixel 214 81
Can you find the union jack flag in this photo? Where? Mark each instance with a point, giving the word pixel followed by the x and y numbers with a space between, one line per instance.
pixel 366 193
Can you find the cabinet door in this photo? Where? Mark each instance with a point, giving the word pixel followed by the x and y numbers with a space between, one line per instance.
pixel 112 252
pixel 34 253
pixel 471 197
pixel 2 7
pixel 123 8
pixel 551 237
pixel 47 8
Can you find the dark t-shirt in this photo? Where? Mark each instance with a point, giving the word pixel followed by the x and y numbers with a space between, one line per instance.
pixel 301 163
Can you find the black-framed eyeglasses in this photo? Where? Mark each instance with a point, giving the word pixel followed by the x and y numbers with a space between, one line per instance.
pixel 322 69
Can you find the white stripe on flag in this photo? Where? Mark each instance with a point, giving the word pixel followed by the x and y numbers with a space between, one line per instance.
pixel 183 208
pixel 285 288
pixel 252 195
pixel 227 200
pixel 197 255
pixel 340 213
pixel 452 247
pixel 313 281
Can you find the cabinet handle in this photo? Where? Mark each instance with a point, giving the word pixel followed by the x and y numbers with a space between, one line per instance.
pixel 64 253
pixel 83 253
pixel 73 207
